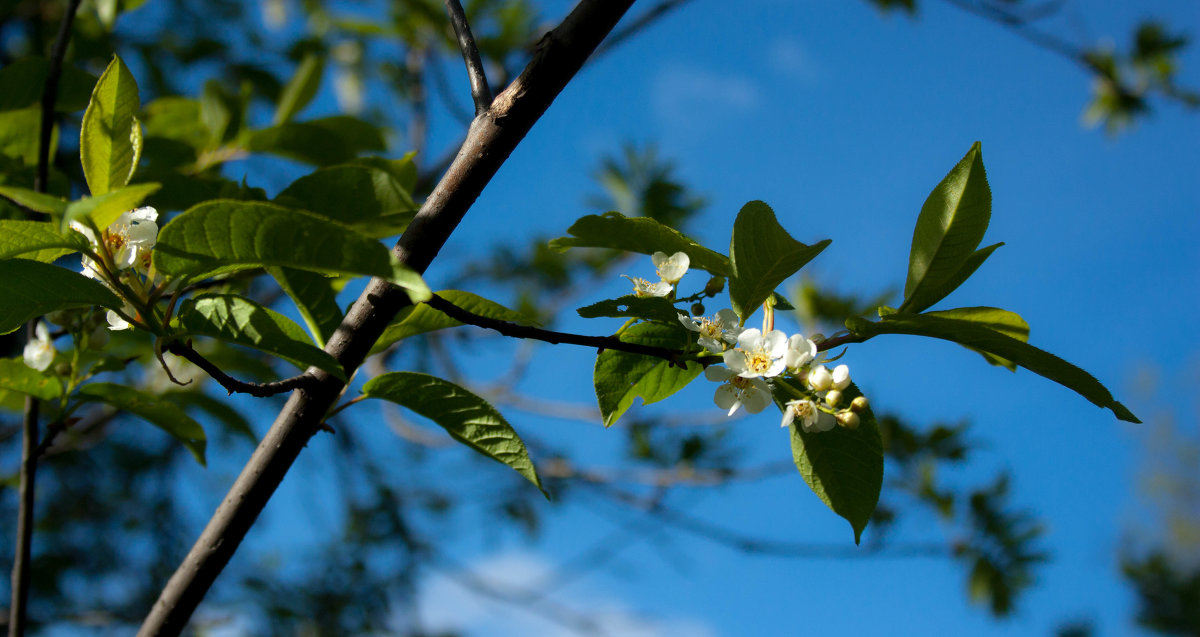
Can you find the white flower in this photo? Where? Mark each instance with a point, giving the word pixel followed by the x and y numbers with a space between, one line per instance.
pixel 758 354
pixel 116 323
pixel 800 352
pixel 751 393
pixel 819 378
pixel 841 377
pixel 128 240
pixel 716 333
pixel 39 351
pixel 805 410
pixel 671 268
pixel 642 287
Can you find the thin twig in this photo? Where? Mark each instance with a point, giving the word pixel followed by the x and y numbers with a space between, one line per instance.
pixel 29 429
pixel 674 356
pixel 233 385
pixel 480 93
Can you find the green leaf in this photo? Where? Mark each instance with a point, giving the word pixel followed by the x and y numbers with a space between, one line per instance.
pixel 619 377
pixel 938 292
pixel 951 225
pixel 225 235
pixel 763 255
pixel 37 240
pixel 110 136
pixel 16 376
pixel 239 320
pixel 466 417
pixel 1003 321
pixel 35 201
pixel 31 289
pixel 989 340
pixel 404 170
pixel 217 408
pixel 104 209
pixel 161 413
pixel 321 142
pixel 419 319
pixel 648 307
pixel 300 90
pixel 844 467
pixel 22 81
pixel 370 200
pixel 314 297
pixel 639 234
pixel 19 132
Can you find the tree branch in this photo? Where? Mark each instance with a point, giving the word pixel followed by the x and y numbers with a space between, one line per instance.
pixel 29 426
pixel 491 139
pixel 233 385
pixel 480 92
pixel 516 330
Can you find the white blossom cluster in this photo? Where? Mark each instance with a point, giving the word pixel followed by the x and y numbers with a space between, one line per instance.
pixel 756 361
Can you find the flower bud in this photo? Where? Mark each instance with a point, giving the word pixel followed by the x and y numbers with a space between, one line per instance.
pixel 713 287
pixel 819 378
pixel 697 309
pixel 859 404
pixel 847 419
pixel 841 377
pixel 833 397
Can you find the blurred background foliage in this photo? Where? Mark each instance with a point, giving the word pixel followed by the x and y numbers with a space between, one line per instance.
pixel 220 82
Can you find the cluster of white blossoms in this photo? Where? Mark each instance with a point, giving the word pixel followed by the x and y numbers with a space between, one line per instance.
pixel 125 247
pixel 669 269
pixel 761 363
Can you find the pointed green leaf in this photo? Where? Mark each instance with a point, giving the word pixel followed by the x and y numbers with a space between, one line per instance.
pixel 16 376
pixel 161 413
pixel 314 297
pixel 321 142
pixel 419 319
pixel 242 321
pixel 639 234
pixel 110 136
pixel 104 209
pixel 300 90
pixel 404 170
pixel 1003 321
pixel 989 340
pixel 31 289
pixel 619 377
pixel 19 132
pixel 935 293
pixel 951 225
pixel 648 307
pixel 370 200
pixel 844 467
pixel 468 418
pixel 35 201
pixel 225 235
pixel 37 240
pixel 763 255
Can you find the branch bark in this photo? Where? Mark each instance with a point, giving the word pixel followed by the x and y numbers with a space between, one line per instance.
pixel 481 94
pixel 492 137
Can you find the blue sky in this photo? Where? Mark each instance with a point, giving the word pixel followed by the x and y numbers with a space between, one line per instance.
pixel 843 120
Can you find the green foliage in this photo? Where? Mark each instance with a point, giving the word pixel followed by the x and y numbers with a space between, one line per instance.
pixel 949 228
pixel 1168 593
pixel 419 319
pixel 239 320
pixel 19 134
pixel 314 296
pixel 370 199
pixel 35 201
pixel 37 240
pixel 163 414
pixel 844 467
pixel 104 209
pixel 301 89
pixel 1007 323
pixel 647 307
pixel 110 139
pixel 763 255
pixel 619 377
pixel 31 289
pixel 466 417
pixel 639 234
pixel 988 340
pixel 222 236
pixel 16 376
pixel 22 81
pixel 321 142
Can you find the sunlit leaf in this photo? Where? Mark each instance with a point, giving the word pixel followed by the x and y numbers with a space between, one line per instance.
pixel 1003 321
pixel 314 297
pixel 639 234
pixel 110 137
pixel 16 376
pixel 620 377
pixel 37 240
pixel 647 307
pixel 763 255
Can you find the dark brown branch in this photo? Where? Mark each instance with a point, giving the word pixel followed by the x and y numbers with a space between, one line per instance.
pixel 233 385
pixel 550 336
pixel 491 139
pixel 480 92
pixel 29 428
